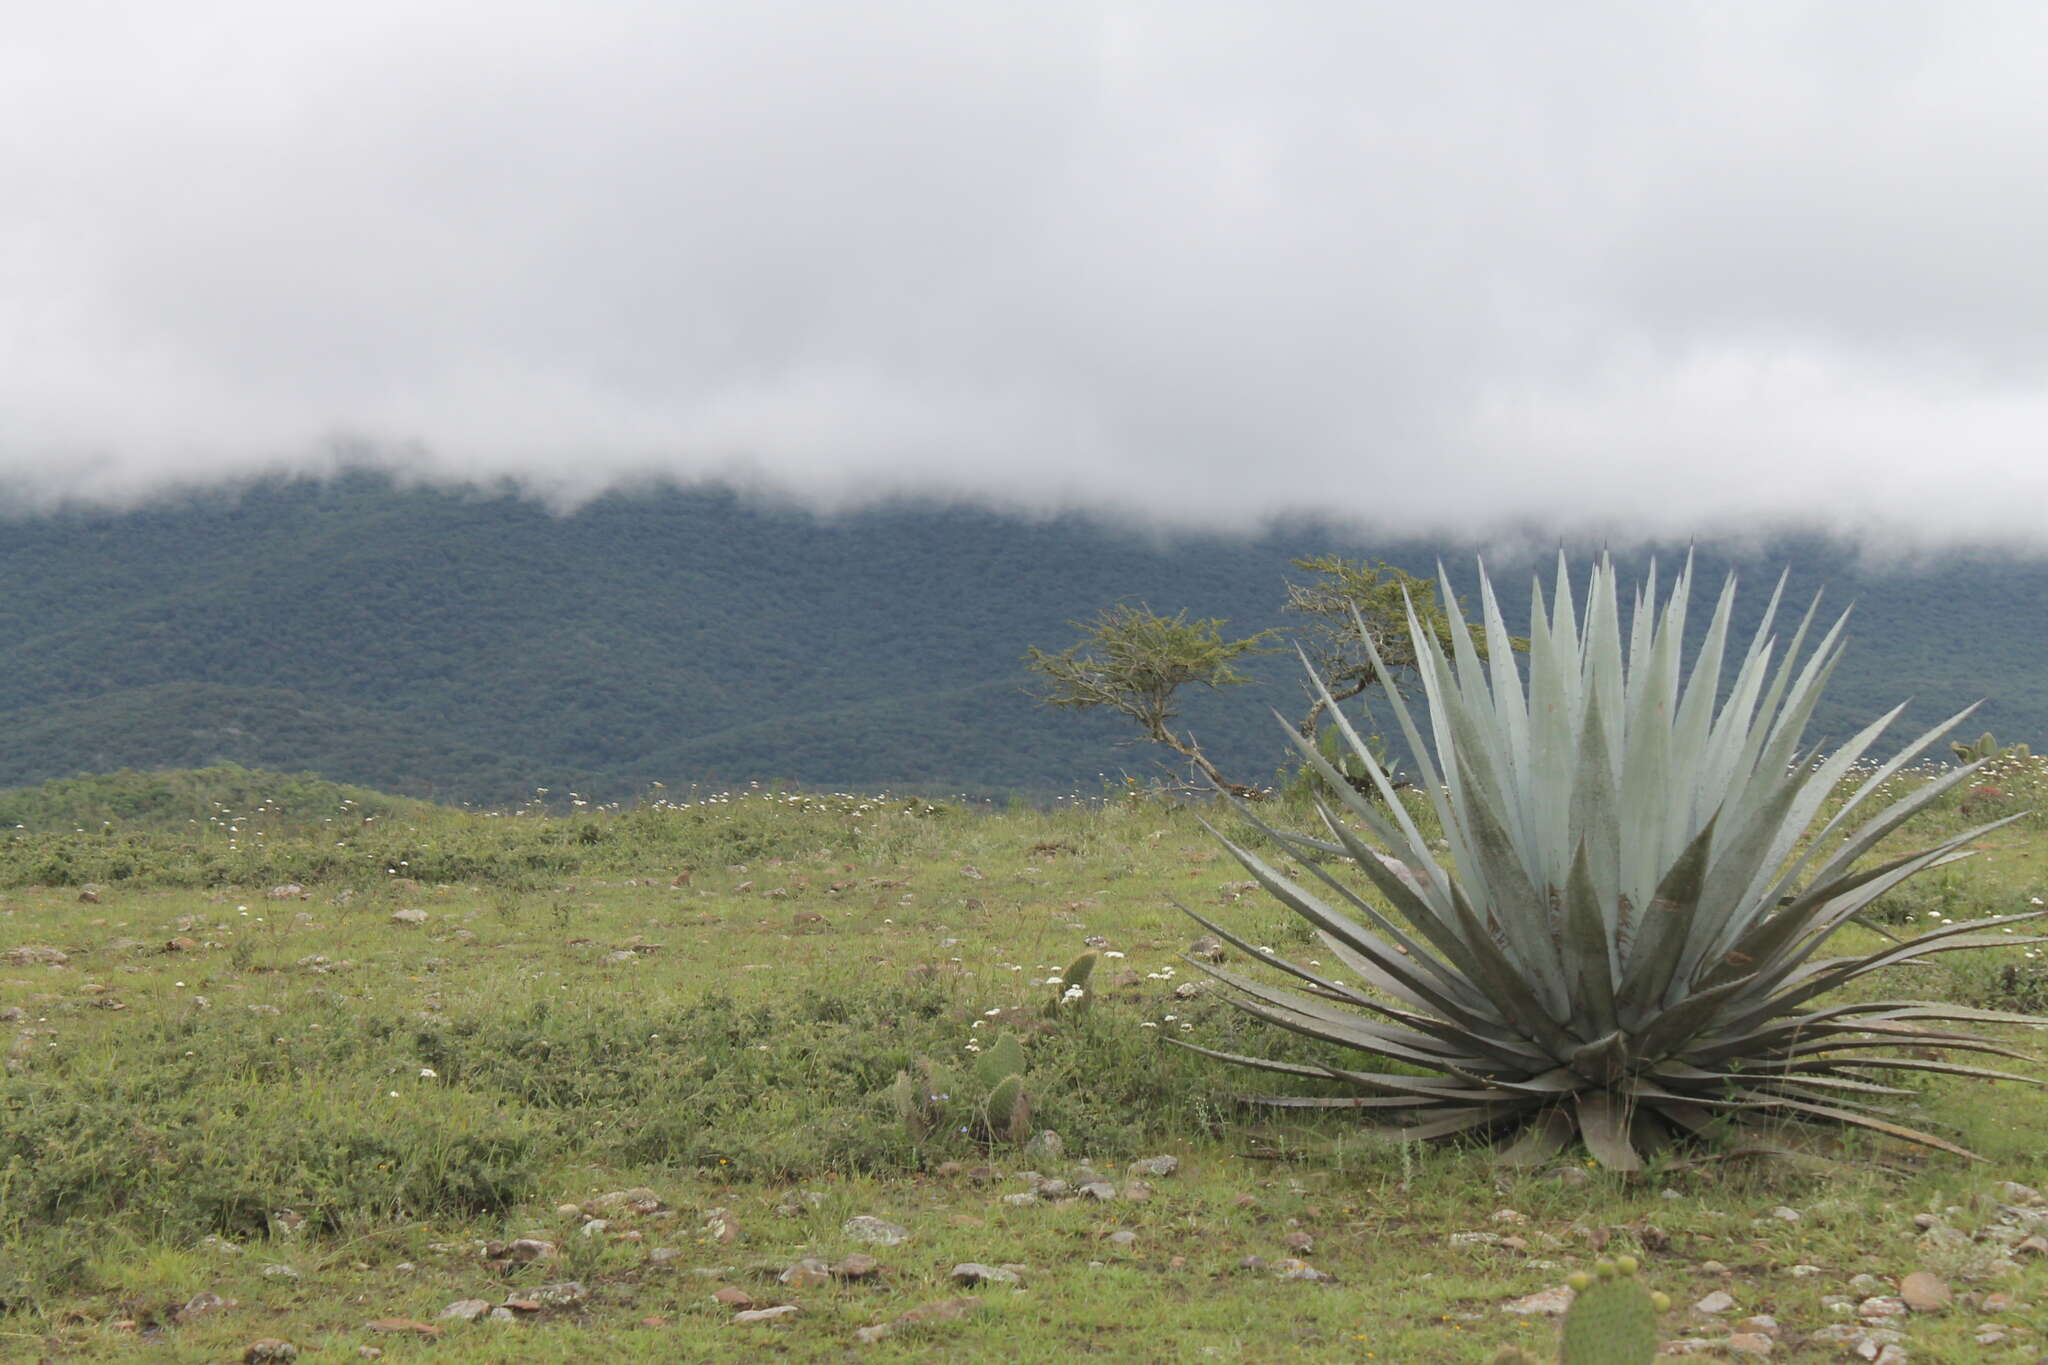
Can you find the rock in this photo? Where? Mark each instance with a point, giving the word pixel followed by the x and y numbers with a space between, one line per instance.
pixel 1122 1237
pixel 974 1272
pixel 199 1305
pixel 2015 1193
pixel 1720 1301
pixel 1294 1268
pixel 1045 1143
pixel 1801 1272
pixel 732 1297
pixel 1023 1200
pixel 1881 1308
pixel 808 1273
pixel 1254 1263
pixel 875 1231
pixel 408 917
pixel 403 1327
pixel 621 956
pixel 1474 1239
pixel 35 955
pixel 2032 1246
pixel 288 891
pixel 568 1294
pixel 1154 1167
pixel 594 1228
pixel 1300 1243
pixel 1137 1191
pixel 522 1250
pixel 1785 1215
pixel 722 1227
pixel 945 1310
pixel 1762 1322
pixel 1747 1344
pixel 1099 1190
pixel 779 1313
pixel 1550 1303
pixel 268 1350
pixel 1925 1293
pixel 466 1310
pixel 858 1266
pixel 1508 1216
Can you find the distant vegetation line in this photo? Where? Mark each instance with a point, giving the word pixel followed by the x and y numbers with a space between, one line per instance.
pixel 472 646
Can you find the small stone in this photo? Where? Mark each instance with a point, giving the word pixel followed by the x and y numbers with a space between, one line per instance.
pixel 268 1350
pixel 974 1272
pixel 876 1231
pixel 945 1310
pixel 1154 1167
pixel 594 1228
pixel 1802 1272
pixel 369 1353
pixel 568 1294
pixel 35 955
pixel 723 1228
pixel 1099 1190
pixel 1294 1268
pixel 466 1310
pixel 732 1297
pixel 1045 1143
pixel 858 1266
pixel 1720 1301
pixel 779 1313
pixel 1762 1322
pixel 403 1327
pixel 408 917
pixel 808 1273
pixel 2015 1193
pixel 1300 1243
pixel 1715 1268
pixel 521 1249
pixel 198 1305
pixel 1253 1263
pixel 1925 1293
pixel 664 1255
pixel 2032 1246
pixel 1999 1302
pixel 280 1272
pixel 1881 1308
pixel 1785 1215
pixel 1137 1191
pixel 1748 1344
pixel 1543 1303
pixel 1509 1216
pixel 1018 1201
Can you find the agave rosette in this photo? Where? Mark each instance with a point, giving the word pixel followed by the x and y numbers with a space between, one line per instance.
pixel 1623 942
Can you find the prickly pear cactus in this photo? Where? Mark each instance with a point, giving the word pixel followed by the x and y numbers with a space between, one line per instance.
pixel 1003 1057
pixel 1073 991
pixel 1007 1115
pixel 1613 1319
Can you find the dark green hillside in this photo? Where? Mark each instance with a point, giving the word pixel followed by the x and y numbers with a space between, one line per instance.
pixel 473 645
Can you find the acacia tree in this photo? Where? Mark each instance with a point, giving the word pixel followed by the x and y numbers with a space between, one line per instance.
pixel 1133 661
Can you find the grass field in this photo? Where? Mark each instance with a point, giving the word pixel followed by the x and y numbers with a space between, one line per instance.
pixel 235 1111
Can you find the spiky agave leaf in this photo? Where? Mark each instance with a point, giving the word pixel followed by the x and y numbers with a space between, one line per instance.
pixel 1622 943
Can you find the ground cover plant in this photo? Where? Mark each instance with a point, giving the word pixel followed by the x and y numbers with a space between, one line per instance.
pixel 628 1075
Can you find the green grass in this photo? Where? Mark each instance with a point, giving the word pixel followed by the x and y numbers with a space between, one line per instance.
pixel 368 1103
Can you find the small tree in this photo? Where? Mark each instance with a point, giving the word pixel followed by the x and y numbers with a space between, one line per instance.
pixel 1132 661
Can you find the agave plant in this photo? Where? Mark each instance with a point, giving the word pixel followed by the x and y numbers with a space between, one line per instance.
pixel 1622 944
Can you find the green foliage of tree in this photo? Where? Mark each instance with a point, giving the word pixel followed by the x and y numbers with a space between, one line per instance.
pixel 1132 661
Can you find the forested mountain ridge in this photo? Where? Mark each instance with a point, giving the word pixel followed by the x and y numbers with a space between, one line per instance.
pixel 473 645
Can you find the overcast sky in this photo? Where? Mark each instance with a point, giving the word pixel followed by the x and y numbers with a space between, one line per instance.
pixel 1667 268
